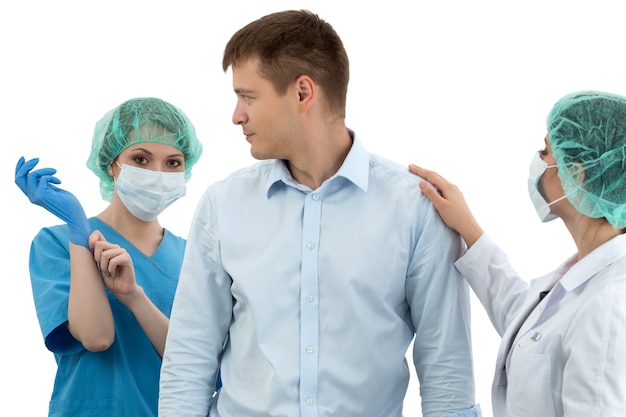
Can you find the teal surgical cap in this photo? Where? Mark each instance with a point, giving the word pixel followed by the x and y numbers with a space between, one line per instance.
pixel 135 121
pixel 587 131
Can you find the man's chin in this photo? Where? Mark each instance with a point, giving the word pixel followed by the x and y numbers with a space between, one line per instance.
pixel 258 155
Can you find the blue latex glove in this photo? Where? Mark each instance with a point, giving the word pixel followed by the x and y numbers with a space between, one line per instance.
pixel 40 189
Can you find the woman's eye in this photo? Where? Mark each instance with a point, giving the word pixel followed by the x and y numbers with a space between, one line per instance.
pixel 174 163
pixel 141 160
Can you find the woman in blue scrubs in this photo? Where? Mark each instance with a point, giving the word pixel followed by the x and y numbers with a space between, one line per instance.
pixel 103 287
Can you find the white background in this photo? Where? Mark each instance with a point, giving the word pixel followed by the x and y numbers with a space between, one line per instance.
pixel 457 86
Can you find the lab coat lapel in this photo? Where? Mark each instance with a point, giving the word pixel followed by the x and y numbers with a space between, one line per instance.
pixel 569 279
pixel 538 286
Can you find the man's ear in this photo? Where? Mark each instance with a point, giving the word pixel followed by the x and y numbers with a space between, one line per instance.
pixel 306 89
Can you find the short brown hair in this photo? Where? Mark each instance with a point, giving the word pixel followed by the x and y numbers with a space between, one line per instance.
pixel 290 44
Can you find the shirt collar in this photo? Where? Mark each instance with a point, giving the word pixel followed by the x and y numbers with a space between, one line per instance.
pixel 355 168
pixel 591 264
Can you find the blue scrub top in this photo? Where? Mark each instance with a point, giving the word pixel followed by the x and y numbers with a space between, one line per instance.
pixel 124 379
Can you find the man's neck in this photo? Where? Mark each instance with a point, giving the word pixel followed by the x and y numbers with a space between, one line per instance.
pixel 322 160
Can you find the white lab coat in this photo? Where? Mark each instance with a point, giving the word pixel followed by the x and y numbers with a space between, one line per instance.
pixel 567 359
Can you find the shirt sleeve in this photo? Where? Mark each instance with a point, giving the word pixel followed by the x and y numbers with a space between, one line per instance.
pixel 475 411
pixel 440 310
pixel 201 314
pixel 500 289
pixel 49 265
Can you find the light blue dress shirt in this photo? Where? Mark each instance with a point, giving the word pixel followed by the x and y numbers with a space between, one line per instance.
pixel 319 293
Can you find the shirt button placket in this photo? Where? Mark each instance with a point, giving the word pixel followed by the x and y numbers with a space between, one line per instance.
pixel 309 305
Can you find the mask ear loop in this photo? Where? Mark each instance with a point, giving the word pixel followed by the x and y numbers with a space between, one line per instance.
pixel 577 171
pixel 539 179
pixel 557 200
pixel 110 172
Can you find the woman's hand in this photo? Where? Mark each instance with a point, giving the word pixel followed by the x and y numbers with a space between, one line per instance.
pixel 450 203
pixel 118 274
pixel 116 267
pixel 40 186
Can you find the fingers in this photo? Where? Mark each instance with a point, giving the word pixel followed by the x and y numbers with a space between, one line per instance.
pixel 18 167
pixel 38 182
pixel 430 191
pixel 422 172
pixel 436 188
pixel 118 273
pixel 94 237
pixel 45 173
pixel 430 176
pixel 23 166
pixel 41 179
pixel 100 245
pixel 110 256
pixel 416 169
pixel 112 260
pixel 21 171
pixel 32 183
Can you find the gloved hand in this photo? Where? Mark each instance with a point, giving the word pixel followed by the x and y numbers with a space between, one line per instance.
pixel 40 189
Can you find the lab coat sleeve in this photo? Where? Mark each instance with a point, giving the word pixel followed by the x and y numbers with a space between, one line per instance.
pixel 594 375
pixel 496 284
pixel 199 321
pixel 439 301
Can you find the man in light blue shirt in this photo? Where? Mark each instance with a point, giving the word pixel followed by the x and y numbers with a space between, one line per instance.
pixel 319 264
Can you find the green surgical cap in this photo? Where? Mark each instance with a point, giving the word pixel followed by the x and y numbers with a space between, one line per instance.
pixel 587 130
pixel 122 127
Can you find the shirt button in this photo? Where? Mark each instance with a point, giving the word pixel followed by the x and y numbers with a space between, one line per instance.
pixel 316 197
pixel 309 349
pixel 310 246
pixel 309 298
pixel 309 401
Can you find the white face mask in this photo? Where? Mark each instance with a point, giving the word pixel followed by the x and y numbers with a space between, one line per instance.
pixel 146 193
pixel 537 167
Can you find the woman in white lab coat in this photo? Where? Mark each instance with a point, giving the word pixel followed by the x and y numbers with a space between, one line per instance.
pixel 564 334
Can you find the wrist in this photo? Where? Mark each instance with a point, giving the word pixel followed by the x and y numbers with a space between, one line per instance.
pixel 132 298
pixel 472 234
pixel 79 232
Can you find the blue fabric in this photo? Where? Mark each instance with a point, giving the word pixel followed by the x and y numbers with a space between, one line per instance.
pixel 123 380
pixel 39 187
pixel 320 293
